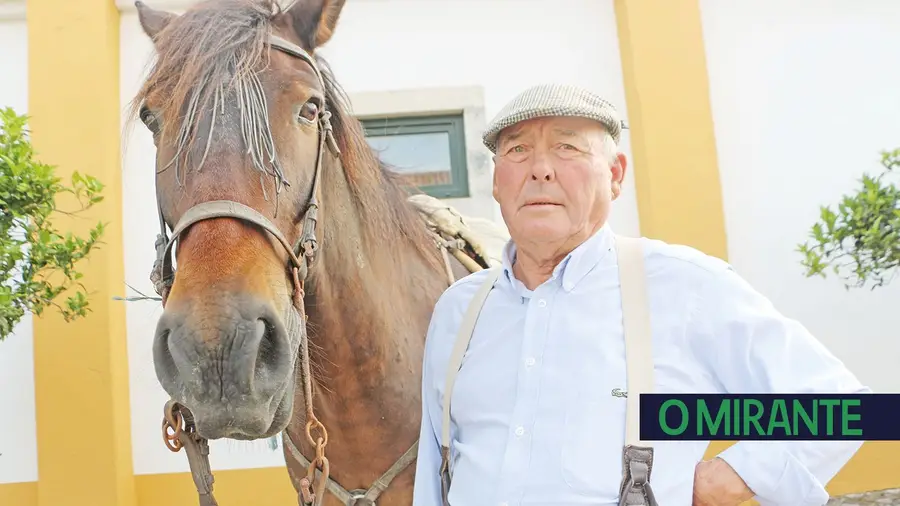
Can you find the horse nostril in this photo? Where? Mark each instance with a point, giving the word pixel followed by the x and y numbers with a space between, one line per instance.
pixel 165 341
pixel 268 339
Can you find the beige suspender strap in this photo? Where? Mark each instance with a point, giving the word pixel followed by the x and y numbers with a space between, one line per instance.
pixel 463 337
pixel 638 338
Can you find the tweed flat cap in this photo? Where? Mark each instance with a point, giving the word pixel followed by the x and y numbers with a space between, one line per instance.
pixel 554 100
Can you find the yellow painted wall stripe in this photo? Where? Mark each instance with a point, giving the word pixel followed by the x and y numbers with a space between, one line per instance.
pixel 672 137
pixel 266 486
pixel 262 486
pixel 19 494
pixel 676 165
pixel 81 368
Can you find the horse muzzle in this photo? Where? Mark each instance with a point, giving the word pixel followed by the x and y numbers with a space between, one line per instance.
pixel 230 364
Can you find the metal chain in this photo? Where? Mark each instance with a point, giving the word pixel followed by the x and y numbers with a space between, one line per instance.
pixel 312 489
pixel 178 433
pixel 174 422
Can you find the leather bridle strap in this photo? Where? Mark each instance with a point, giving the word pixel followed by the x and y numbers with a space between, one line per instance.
pixel 221 209
pixel 359 497
pixel 308 244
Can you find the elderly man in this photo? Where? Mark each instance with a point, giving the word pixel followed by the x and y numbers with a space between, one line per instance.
pixel 542 401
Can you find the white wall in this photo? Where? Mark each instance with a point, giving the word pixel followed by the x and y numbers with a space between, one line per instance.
pixel 804 96
pixel 18 439
pixel 380 45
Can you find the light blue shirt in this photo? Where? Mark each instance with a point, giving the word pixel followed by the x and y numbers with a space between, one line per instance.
pixel 534 421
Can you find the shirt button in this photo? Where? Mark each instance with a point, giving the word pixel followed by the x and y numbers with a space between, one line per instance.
pixel 542 303
pixel 529 361
pixel 520 431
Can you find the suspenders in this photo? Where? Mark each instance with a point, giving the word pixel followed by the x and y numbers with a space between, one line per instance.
pixel 637 455
pixel 459 349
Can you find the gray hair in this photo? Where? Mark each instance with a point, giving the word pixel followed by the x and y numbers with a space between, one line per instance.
pixel 610 148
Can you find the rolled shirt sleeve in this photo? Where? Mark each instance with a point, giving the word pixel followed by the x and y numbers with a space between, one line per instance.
pixel 752 348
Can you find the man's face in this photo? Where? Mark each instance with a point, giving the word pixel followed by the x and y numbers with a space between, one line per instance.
pixel 555 179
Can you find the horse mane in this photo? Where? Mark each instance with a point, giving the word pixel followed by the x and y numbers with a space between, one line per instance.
pixel 213 51
pixel 379 192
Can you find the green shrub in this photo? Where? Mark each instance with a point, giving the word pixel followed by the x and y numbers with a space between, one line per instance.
pixel 860 241
pixel 37 261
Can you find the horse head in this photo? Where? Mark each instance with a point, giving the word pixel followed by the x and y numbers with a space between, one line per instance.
pixel 240 115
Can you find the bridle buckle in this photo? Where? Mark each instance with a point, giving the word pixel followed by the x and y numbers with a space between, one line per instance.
pixel 358 498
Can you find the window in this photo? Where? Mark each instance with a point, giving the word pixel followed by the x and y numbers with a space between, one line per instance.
pixel 429 152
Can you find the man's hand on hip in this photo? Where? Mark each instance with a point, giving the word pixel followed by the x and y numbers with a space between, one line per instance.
pixel 717 484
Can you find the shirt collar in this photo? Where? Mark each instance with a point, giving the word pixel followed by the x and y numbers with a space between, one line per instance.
pixel 574 267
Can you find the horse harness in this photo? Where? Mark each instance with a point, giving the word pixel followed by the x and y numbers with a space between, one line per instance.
pixel 637 455
pixel 178 426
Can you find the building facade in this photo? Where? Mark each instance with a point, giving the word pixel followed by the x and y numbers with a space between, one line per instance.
pixel 744 117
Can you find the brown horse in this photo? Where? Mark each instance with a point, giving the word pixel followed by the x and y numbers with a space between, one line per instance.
pixel 254 138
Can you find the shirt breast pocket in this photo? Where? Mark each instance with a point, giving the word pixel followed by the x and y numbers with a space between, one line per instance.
pixel 594 432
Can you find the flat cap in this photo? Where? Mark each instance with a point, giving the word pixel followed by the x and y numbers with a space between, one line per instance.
pixel 554 100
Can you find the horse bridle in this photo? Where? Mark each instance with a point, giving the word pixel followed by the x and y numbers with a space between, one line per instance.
pixel 178 426
pixel 163 273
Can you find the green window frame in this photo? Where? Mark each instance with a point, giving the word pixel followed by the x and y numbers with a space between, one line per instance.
pixel 452 125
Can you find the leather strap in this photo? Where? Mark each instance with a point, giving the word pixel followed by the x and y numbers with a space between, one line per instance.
pixel 635 489
pixel 221 209
pixel 295 51
pixel 357 497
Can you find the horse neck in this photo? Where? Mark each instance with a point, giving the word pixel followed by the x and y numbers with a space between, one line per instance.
pixel 374 290
pixel 369 303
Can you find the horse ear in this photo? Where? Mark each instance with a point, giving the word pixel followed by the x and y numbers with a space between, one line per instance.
pixel 314 20
pixel 152 20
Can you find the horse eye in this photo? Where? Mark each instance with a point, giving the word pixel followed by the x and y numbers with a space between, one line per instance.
pixel 310 111
pixel 149 119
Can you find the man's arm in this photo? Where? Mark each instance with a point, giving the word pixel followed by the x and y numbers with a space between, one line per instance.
pixel 427 486
pixel 752 348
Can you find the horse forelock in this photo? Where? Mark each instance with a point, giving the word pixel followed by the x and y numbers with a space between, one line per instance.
pixel 205 58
